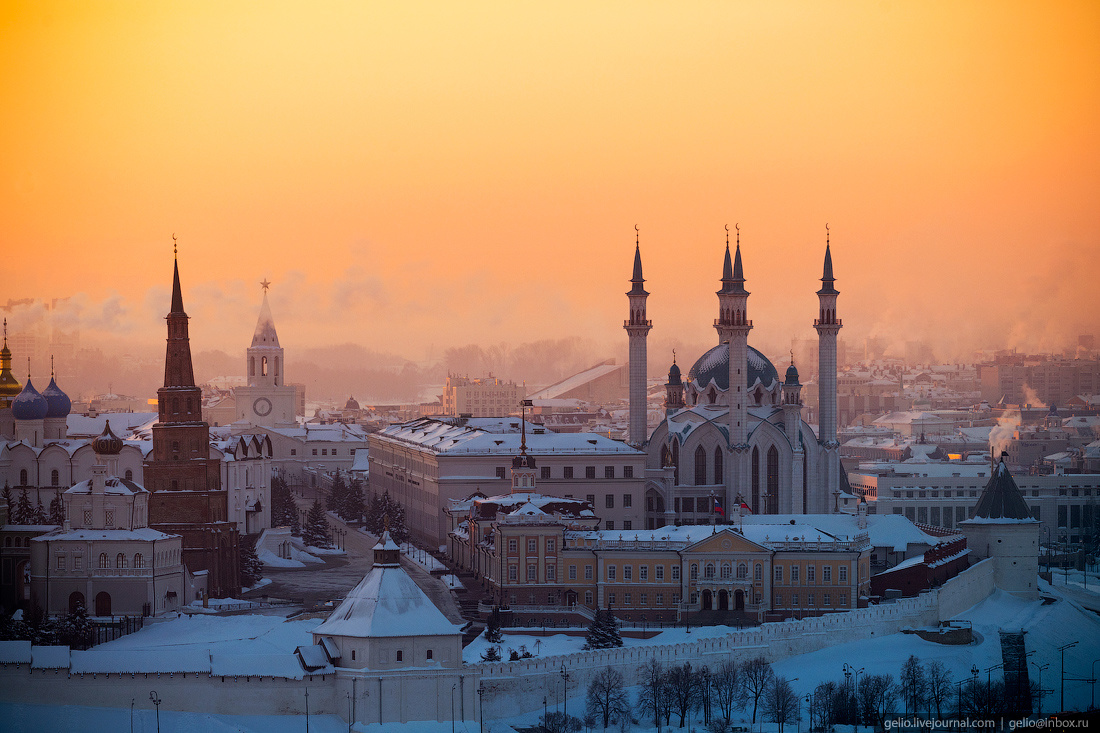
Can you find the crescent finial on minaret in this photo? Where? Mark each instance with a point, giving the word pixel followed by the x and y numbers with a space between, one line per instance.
pixel 175 250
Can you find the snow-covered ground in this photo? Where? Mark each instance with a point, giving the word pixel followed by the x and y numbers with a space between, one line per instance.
pixel 36 718
pixel 252 634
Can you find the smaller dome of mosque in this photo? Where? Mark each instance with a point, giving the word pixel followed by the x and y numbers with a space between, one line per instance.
pixel 792 375
pixel 58 403
pixel 107 443
pixel 29 404
pixel 674 374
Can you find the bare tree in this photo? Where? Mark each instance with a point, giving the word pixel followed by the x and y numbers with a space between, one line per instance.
pixel 938 681
pixel 756 675
pixel 726 683
pixel 913 684
pixel 780 702
pixel 878 693
pixel 684 688
pixel 825 704
pixel 607 696
pixel 653 692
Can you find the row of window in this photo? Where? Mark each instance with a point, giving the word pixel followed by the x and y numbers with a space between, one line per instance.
pixel 811 573
pixel 811 600
pixel 55 477
pixel 532 545
pixel 121 561
pixel 628 599
pixel 567 473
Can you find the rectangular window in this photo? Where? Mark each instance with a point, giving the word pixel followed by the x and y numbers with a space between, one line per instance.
pixel 588 572
pixel 609 472
pixel 532 546
pixel 645 599
pixel 609 501
pixel 611 599
pixel 660 599
pixel 551 572
pixel 532 572
pixel 572 572
pixel 628 572
pixel 333 451
pixel 628 501
pixel 628 471
pixel 675 572
pixel 78 562
pixel 611 572
pixel 513 573
pixel 778 601
pixel 567 472
pixel 109 518
pixel 314 451
pixel 609 524
pixel 500 471
pixel 551 543
pixel 659 572
pixel 293 451
pixel 627 599
pixel 827 573
pixel 627 524
pixel 590 472
pixel 588 598
pixel 687 504
pixel 794 574
pixel 87 517
pixel 778 574
pixel 810 600
pixel 675 598
pixel 643 572
pixel 591 499
pixel 843 573
pixel 324 451
pixel 844 600
pixel 513 545
pixel 546 472
pixel 827 600
pixel 60 562
pixel 794 600
pixel 811 574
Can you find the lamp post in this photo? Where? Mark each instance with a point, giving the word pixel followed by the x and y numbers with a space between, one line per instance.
pixel 307 710
pixel 989 685
pixel 349 711
pixel 156 701
pixel 809 711
pixel 1092 703
pixel 544 710
pixel 849 673
pixel 1040 667
pixel 453 706
pixel 132 715
pixel 481 704
pixel 1062 691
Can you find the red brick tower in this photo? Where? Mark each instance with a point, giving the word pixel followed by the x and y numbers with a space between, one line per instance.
pixel 187 497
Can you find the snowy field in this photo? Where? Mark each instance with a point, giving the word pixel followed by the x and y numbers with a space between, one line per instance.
pixel 1048 626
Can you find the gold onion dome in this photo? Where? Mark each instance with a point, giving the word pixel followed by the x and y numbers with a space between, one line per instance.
pixel 9 385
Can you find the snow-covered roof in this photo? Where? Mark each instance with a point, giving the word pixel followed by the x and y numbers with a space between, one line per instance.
pixel 15 652
pixel 500 436
pixel 111 485
pixel 894 531
pixel 386 603
pixel 50 657
pixel 1001 499
pixel 137 661
pixel 268 665
pixel 83 426
pixel 143 534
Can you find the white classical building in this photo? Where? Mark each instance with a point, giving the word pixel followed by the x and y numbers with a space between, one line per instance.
pixel 106 557
pixel 246 474
pixel 734 430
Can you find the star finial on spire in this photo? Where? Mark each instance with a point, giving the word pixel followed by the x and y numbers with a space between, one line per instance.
pixel 265 284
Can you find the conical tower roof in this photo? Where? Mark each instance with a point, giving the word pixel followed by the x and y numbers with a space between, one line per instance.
pixel 9 385
pixel 265 327
pixel 827 279
pixel 1001 499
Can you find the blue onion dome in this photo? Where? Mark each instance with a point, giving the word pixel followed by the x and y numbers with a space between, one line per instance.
pixel 29 405
pixel 715 365
pixel 59 402
pixel 792 375
pixel 107 443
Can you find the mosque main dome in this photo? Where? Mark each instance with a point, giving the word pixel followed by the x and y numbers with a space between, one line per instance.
pixel 715 365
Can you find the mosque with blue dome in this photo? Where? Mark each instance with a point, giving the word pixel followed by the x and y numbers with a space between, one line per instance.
pixel 721 451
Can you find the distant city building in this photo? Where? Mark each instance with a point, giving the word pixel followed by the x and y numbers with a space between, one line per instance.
pixel 484 397
pixel 1018 379
pixel 602 384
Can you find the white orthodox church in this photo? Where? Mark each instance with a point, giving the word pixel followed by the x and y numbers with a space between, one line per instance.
pixel 268 400
pixel 721 447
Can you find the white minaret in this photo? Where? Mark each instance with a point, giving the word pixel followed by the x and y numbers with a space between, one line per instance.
pixel 733 326
pixel 795 502
pixel 827 326
pixel 637 329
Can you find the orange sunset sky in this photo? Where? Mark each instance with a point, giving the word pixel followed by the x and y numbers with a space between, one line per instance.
pixel 414 176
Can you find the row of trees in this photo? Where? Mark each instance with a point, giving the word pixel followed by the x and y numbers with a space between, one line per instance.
pixel 74 630
pixel 346 500
pixel 22 511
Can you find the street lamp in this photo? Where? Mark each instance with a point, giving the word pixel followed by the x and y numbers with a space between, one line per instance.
pixel 1040 667
pixel 565 689
pixel 132 715
pixel 156 701
pixel 307 710
pixel 1062 691
pixel 481 704
pixel 453 706
pixel 1092 704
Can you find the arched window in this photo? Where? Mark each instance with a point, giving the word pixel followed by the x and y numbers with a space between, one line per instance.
pixel 23 477
pixel 120 561
pixel 251 366
pixel 55 477
pixel 773 480
pixel 676 462
pixel 708 571
pixel 263 366
pixel 718 477
pixel 758 572
pixel 694 571
pixel 700 466
pixel 727 571
pixel 139 561
pixel 175 404
pixel 756 506
pixel 104 561
pixel 742 571
pixel 129 475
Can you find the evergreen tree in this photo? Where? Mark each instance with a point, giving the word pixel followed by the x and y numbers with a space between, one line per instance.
pixel 398 531
pixel 352 510
pixel 335 498
pixel 492 654
pixel 9 502
pixel 316 529
pixel 76 629
pixel 24 510
pixel 40 516
pixel 374 520
pixel 57 510
pixel 252 570
pixel 384 509
pixel 603 632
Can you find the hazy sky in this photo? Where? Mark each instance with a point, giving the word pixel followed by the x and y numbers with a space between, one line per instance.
pixel 417 176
